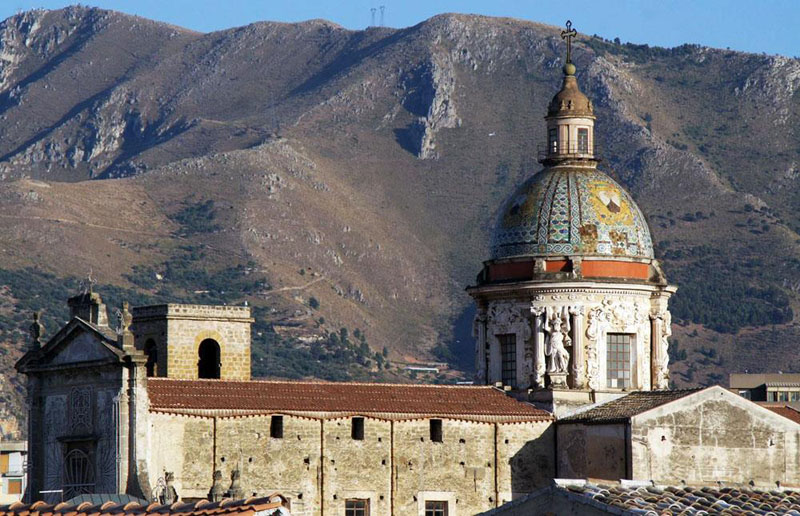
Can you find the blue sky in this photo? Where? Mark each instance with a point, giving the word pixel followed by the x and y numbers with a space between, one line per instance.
pixel 753 26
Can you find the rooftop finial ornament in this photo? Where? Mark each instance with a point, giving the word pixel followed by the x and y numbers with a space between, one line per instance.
pixel 569 68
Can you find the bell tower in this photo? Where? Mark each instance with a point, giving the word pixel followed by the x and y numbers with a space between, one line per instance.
pixel 570 116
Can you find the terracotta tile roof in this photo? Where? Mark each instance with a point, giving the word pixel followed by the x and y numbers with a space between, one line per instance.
pixel 270 505
pixel 624 408
pixel 783 410
pixel 386 400
pixel 619 499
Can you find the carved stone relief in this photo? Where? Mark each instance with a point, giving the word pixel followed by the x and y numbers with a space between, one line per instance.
pixel 593 332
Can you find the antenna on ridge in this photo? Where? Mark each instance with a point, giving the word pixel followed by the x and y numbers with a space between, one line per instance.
pixel 372 10
pixel 383 8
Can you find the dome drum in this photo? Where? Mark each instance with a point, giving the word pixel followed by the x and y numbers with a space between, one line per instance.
pixel 571 268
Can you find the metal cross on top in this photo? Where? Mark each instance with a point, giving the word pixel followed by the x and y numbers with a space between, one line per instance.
pixel 568 35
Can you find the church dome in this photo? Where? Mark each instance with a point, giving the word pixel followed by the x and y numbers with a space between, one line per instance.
pixel 570 100
pixel 571 211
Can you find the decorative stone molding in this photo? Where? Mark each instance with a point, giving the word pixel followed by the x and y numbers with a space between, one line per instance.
pixel 578 358
pixel 479 332
pixel 595 318
pixel 539 368
pixel 661 330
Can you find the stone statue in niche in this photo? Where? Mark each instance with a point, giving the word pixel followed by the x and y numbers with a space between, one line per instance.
pixel 557 327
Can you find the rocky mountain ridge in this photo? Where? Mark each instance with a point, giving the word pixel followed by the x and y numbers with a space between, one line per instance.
pixel 345 183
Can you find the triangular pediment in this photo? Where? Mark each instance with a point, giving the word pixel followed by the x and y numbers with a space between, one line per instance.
pixel 76 343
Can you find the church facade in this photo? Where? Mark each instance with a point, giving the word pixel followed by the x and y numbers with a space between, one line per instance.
pixel 163 406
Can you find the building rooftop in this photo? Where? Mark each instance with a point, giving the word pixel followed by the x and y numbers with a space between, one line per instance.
pixel 784 410
pixel 263 506
pixel 621 499
pixel 751 381
pixel 391 401
pixel 624 408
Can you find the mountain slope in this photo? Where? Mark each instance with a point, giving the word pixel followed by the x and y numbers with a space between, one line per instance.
pixel 350 180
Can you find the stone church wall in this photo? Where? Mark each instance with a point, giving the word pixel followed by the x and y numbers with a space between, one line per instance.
pixel 358 468
pixel 183 445
pixel 319 460
pixel 529 451
pixel 288 465
pixel 459 470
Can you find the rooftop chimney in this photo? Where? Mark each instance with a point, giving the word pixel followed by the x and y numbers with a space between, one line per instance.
pixel 89 307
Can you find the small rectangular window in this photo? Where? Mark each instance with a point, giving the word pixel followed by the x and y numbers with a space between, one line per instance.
pixel 15 486
pixel 357 431
pixel 508 352
pixel 618 360
pixel 771 396
pixel 553 140
pixel 356 507
pixel 435 508
pixel 436 430
pixel 276 427
pixel 583 140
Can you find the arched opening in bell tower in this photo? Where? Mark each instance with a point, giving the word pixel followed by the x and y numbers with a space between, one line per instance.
pixel 209 364
pixel 151 351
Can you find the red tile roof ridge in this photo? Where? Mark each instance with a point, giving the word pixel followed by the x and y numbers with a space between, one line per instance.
pixel 226 506
pixel 782 409
pixel 327 382
pixel 384 416
pixel 232 397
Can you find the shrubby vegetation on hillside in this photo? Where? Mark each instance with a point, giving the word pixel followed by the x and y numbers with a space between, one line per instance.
pixel 724 293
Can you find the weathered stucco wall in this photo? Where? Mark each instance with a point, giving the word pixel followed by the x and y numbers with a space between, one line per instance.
pixel 715 436
pixel 591 451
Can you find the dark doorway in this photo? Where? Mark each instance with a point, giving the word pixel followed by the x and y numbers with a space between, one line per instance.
pixel 151 351
pixel 209 365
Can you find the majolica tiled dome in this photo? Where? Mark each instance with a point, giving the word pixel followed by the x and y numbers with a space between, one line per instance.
pixel 563 211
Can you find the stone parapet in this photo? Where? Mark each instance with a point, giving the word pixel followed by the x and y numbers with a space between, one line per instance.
pixel 193 312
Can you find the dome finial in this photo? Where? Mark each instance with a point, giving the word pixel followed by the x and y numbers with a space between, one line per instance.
pixel 569 68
